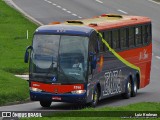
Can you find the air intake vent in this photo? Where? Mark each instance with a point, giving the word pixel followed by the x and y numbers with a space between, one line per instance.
pixel 93 24
pixel 74 22
pixel 111 15
pixel 56 22
pixel 133 18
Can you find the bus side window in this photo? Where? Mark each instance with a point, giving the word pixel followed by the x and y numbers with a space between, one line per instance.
pixel 148 33
pixel 144 34
pixel 131 37
pixel 101 44
pixel 97 45
pixel 123 36
pixel 93 42
pixel 115 39
pixel 92 49
pixel 138 35
pixel 108 38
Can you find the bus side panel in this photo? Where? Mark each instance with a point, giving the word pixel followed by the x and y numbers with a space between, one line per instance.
pixel 111 74
pixel 140 57
pixel 113 80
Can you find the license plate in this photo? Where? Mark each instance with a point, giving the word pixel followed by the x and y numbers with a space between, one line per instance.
pixel 56 98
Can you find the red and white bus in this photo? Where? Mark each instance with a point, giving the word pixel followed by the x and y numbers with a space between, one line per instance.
pixel 89 60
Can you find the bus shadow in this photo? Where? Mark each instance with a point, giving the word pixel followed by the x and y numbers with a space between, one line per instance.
pixel 61 106
pixel 118 100
pixel 111 101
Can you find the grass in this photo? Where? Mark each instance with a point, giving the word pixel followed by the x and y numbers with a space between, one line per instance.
pixel 13 41
pixel 113 111
pixel 12 88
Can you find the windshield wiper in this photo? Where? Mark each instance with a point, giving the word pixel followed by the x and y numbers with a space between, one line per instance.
pixel 50 68
pixel 61 71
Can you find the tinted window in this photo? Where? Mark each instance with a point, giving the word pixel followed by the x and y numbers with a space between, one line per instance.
pixel 102 45
pixel 93 42
pixel 131 36
pixel 108 37
pixel 144 35
pixel 123 35
pixel 115 39
pixel 148 33
pixel 138 33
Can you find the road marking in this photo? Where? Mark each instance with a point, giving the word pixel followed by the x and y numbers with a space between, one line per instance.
pixel 122 11
pixel 54 4
pixel 74 14
pixel 68 11
pixel 49 1
pixel 154 2
pixel 157 57
pixel 99 1
pixel 23 12
pixel 64 9
pixel 59 6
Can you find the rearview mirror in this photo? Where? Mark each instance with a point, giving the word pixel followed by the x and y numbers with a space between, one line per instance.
pixel 26 57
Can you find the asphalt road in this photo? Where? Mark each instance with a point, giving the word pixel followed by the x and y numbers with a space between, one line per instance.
pixel 46 11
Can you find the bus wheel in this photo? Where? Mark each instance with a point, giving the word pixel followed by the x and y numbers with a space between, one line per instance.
pixel 45 103
pixel 134 89
pixel 95 98
pixel 127 93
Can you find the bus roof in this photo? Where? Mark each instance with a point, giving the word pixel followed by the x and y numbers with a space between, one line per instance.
pixel 85 27
pixel 110 21
pixel 64 29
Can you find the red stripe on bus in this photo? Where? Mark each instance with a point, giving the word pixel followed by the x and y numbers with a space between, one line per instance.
pixel 58 89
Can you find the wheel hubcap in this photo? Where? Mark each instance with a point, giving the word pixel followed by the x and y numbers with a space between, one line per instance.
pixel 95 97
pixel 129 87
pixel 135 87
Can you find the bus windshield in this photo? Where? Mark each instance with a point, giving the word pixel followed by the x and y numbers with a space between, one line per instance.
pixel 59 58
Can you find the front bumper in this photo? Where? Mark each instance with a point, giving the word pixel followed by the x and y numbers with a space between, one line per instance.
pixel 44 96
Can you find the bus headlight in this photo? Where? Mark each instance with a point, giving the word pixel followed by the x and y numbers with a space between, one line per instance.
pixel 78 92
pixel 35 89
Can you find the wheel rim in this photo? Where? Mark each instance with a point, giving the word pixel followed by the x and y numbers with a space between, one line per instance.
pixel 95 97
pixel 135 87
pixel 129 87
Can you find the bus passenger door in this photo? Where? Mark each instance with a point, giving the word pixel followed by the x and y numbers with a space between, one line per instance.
pixel 92 62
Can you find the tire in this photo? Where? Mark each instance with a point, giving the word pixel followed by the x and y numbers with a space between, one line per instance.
pixel 134 89
pixel 45 103
pixel 95 98
pixel 128 88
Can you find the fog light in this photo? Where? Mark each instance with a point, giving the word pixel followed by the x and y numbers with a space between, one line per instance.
pixel 78 92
